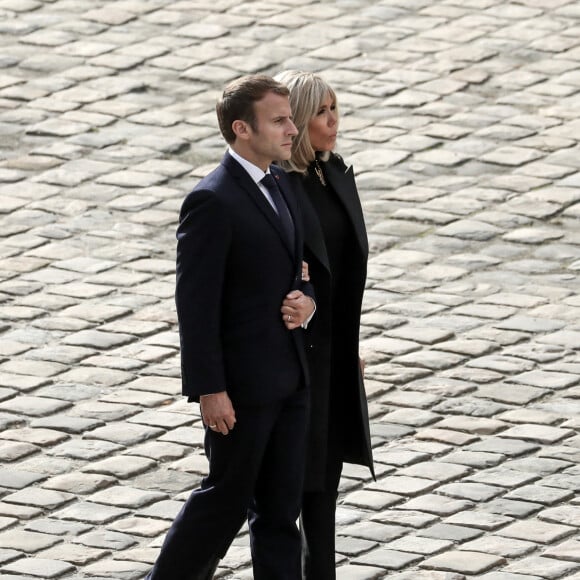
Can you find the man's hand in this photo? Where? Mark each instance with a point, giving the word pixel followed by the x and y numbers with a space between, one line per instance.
pixel 296 308
pixel 218 412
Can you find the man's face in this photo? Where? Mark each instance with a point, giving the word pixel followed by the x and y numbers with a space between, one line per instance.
pixel 272 138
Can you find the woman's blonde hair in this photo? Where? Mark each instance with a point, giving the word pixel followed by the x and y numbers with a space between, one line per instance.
pixel 307 93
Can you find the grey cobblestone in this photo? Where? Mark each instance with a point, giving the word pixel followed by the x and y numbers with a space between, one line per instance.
pixel 517 509
pixel 40 567
pixel 75 554
pixel 560 515
pixel 463 562
pixel 389 559
pixel 82 483
pixel 27 542
pixel 546 567
pixel 536 531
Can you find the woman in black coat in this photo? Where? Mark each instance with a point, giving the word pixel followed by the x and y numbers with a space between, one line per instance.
pixel 336 249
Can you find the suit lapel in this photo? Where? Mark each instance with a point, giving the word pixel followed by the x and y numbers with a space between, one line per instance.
pixel 248 185
pixel 290 198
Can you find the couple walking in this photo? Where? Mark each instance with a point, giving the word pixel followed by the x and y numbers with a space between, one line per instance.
pixel 271 357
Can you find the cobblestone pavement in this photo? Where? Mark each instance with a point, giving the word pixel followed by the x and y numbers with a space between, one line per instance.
pixel 461 119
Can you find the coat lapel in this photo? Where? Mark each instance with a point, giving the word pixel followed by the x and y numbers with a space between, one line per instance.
pixel 344 184
pixel 313 236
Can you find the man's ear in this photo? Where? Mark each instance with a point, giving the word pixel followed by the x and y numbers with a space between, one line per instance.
pixel 241 129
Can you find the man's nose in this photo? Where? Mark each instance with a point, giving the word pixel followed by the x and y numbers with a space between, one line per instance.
pixel 292 130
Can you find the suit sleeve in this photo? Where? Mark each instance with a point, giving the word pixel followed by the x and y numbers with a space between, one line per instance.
pixel 203 239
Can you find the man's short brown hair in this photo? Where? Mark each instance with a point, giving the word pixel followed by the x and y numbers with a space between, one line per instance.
pixel 238 98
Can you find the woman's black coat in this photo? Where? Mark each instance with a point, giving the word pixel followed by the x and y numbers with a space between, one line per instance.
pixel 357 444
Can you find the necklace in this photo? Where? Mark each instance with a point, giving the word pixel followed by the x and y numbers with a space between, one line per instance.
pixel 319 173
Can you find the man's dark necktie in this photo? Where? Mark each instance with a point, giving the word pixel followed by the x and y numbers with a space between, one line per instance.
pixel 281 208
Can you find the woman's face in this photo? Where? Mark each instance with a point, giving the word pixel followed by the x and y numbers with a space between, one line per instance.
pixel 323 127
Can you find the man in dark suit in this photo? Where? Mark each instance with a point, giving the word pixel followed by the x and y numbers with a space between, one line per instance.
pixel 239 257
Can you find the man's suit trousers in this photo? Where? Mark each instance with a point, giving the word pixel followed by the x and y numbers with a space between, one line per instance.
pixel 255 472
